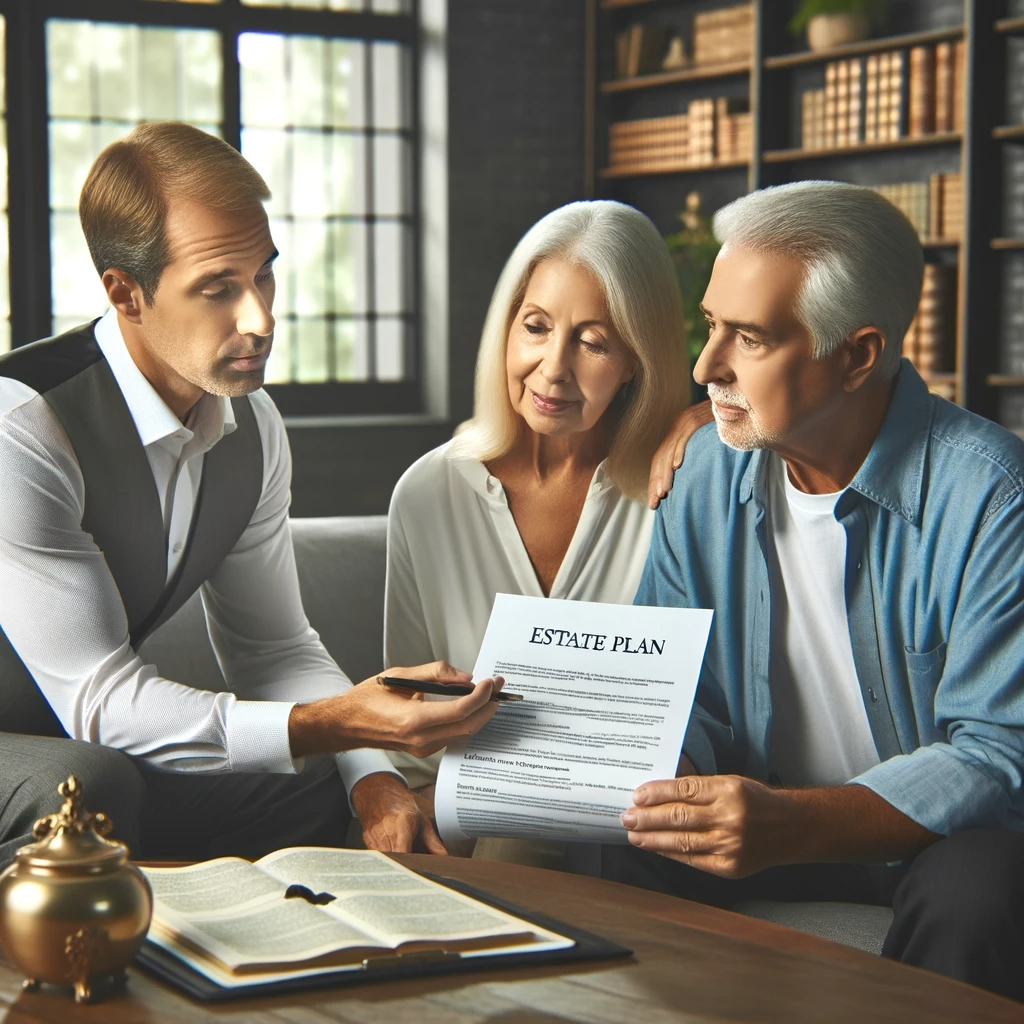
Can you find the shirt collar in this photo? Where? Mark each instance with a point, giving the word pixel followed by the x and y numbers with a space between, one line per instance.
pixel 892 475
pixel 213 416
pixel 489 487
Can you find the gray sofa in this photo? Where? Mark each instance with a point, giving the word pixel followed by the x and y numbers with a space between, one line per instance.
pixel 341 572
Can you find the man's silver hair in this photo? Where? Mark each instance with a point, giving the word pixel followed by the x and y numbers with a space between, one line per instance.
pixel 862 258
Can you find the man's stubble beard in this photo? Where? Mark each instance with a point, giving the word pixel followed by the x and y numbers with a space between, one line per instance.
pixel 747 435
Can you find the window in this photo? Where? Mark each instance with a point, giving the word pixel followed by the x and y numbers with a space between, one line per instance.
pixel 319 95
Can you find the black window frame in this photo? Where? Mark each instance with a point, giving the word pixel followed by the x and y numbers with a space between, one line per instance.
pixel 28 161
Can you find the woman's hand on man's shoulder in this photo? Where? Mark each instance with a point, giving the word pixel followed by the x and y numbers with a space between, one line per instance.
pixel 669 456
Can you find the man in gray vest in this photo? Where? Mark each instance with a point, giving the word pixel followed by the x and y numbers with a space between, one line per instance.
pixel 140 461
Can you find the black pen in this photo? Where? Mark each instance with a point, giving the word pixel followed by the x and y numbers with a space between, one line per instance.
pixel 445 689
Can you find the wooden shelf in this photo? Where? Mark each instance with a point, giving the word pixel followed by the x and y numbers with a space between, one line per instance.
pixel 783 156
pixel 1007 243
pixel 792 60
pixel 701 74
pixel 718 165
pixel 1011 132
pixel 1004 380
pixel 1010 26
pixel 940 243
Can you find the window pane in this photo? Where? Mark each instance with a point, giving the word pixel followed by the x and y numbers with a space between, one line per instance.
pixel 390 246
pixel 304 107
pixel 389 86
pixel 103 79
pixel 392 157
pixel 5 306
pixel 390 349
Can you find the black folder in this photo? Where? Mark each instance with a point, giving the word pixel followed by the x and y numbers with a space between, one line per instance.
pixel 167 967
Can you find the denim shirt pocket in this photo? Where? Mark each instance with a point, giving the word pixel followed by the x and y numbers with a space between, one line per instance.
pixel 926 667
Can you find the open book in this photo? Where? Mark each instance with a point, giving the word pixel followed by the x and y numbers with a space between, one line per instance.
pixel 304 910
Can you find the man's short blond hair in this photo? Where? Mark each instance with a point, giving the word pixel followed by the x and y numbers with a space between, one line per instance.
pixel 123 206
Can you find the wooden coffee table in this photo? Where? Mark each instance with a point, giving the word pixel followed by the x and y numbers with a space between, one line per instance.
pixel 691 963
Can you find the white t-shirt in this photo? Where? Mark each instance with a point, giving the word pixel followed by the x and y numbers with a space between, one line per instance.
pixel 453 545
pixel 820 732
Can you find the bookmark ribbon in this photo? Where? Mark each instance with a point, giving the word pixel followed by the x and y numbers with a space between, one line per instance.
pixel 301 892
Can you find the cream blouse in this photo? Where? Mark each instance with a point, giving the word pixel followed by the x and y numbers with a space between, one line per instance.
pixel 453 545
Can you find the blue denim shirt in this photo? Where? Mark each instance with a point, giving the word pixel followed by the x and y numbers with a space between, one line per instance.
pixel 934 522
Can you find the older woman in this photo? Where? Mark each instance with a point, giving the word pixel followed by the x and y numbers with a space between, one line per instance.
pixel 581 370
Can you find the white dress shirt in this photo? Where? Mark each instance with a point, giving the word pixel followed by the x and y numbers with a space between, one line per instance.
pixel 453 545
pixel 820 734
pixel 62 612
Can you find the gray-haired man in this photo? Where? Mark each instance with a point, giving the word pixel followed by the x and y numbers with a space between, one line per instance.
pixel 859 733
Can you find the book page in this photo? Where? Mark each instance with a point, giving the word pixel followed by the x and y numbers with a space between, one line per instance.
pixel 213 886
pixel 388 901
pixel 273 932
pixel 608 693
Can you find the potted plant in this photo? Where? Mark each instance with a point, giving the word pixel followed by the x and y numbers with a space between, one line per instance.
pixel 832 23
pixel 693 250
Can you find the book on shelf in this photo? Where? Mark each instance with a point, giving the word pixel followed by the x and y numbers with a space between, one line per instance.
pixel 842 107
pixel 891 95
pixel 701 115
pixel 640 49
pixel 1011 342
pixel 944 87
pixel 648 144
pixel 911 198
pixel 305 910
pixel 921 92
pixel 871 98
pixel 959 84
pixel 732 129
pixel 945 206
pixel 723 35
pixel 854 122
pixel 842 101
pixel 928 342
pixel 831 104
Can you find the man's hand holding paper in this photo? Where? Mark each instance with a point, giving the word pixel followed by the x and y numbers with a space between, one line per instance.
pixel 608 691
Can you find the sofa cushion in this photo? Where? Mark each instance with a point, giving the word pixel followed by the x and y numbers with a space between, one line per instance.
pixel 853 924
pixel 341 564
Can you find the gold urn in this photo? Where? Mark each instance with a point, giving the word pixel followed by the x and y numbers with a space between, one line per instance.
pixel 72 909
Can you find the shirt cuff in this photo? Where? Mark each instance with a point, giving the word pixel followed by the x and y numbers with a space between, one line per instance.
pixel 354 765
pixel 257 737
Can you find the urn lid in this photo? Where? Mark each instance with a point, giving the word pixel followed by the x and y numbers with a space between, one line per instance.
pixel 73 839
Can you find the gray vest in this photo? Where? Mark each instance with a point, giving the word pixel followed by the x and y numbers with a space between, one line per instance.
pixel 122 507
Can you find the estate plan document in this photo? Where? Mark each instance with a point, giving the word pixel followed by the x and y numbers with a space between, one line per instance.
pixel 607 692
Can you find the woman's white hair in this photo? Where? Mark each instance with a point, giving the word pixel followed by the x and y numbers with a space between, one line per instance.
pixel 862 258
pixel 629 260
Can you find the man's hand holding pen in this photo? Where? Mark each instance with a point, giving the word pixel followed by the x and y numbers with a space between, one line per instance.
pixel 370 715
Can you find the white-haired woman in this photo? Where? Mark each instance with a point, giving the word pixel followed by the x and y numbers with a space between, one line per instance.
pixel 581 372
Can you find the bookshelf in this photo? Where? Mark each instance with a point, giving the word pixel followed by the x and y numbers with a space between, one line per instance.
pixel 978 367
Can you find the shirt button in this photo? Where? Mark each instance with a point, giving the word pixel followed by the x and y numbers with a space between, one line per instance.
pixel 177 548
pixel 858 565
pixel 871 694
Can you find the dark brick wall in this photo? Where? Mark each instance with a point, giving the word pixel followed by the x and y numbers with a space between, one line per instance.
pixel 515 151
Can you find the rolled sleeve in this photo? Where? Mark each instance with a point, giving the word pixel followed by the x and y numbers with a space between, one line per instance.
pixel 911 783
